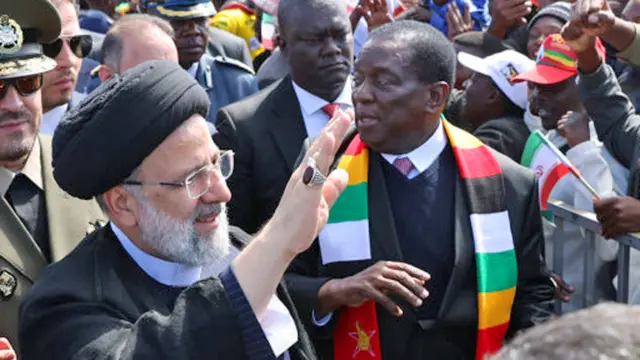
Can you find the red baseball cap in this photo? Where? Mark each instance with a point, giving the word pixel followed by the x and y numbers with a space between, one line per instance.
pixel 556 62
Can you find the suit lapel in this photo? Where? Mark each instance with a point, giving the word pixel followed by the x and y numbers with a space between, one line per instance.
pixel 383 235
pixel 17 246
pixel 69 220
pixel 464 249
pixel 287 125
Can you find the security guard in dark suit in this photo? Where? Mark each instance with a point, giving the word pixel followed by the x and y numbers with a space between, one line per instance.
pixel 39 223
pixel 226 80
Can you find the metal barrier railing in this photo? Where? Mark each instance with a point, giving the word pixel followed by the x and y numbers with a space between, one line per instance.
pixel 587 220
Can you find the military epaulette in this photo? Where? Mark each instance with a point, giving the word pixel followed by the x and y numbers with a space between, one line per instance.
pixel 234 62
pixel 95 71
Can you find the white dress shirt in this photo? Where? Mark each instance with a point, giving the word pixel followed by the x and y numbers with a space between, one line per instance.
pixel 193 69
pixel 424 155
pixel 277 323
pixel 311 106
pixel 51 119
pixel 422 158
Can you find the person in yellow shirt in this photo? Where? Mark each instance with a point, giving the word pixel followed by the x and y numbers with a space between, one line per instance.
pixel 239 18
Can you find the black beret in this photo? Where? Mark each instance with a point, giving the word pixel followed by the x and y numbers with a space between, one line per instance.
pixel 103 139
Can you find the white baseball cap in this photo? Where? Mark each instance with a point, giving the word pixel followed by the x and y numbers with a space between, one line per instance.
pixel 501 68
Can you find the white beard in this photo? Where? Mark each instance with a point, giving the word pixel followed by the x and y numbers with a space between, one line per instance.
pixel 177 240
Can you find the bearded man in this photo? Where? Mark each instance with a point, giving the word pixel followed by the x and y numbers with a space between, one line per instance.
pixel 166 279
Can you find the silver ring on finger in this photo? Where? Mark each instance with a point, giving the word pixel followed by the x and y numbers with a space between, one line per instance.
pixel 312 175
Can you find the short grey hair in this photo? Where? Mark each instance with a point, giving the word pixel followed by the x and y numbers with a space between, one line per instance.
pixel 607 331
pixel 112 45
pixel 100 198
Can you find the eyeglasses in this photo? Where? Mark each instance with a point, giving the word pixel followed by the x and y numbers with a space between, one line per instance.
pixel 198 182
pixel 80 45
pixel 25 85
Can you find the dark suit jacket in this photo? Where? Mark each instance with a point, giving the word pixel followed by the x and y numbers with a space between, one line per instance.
pixel 266 131
pixel 225 80
pixel 507 135
pixel 615 118
pixel 97 303
pixel 224 43
pixel 453 334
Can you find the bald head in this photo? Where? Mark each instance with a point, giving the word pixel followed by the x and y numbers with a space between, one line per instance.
pixel 290 11
pixel 135 39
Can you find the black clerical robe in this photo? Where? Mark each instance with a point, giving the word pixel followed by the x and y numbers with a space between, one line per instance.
pixel 97 303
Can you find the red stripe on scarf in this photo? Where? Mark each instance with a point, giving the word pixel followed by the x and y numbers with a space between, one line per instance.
pixel 490 340
pixel 473 169
pixel 355 147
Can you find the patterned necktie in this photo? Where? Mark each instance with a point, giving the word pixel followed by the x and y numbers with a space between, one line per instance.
pixel 404 165
pixel 331 109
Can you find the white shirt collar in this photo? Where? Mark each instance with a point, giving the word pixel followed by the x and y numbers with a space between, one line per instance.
pixel 310 103
pixel 165 272
pixel 424 155
pixel 51 119
pixel 193 69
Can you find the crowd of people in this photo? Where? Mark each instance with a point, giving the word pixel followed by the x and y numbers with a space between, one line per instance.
pixel 316 179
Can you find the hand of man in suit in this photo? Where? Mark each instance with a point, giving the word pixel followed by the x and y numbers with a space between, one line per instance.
pixel 6 351
pixel 618 215
pixel 375 283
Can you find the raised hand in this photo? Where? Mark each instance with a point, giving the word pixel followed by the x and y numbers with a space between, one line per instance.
pixel 457 23
pixel 594 17
pixel 303 209
pixel 577 38
pixel 574 126
pixel 376 12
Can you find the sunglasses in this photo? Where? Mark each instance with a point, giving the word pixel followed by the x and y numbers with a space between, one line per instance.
pixel 80 46
pixel 25 85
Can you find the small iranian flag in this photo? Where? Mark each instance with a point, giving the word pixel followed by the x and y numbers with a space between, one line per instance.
pixel 549 164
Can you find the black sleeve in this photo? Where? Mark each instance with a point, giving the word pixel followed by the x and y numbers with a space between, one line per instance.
pixel 612 112
pixel 241 207
pixel 226 137
pixel 534 293
pixel 63 324
pixel 501 137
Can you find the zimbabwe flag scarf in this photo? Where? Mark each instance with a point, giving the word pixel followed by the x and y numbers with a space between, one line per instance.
pixel 356 335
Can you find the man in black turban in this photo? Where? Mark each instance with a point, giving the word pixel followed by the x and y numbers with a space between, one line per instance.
pixel 166 278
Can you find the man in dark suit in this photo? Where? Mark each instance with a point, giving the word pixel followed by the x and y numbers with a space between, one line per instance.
pixel 226 80
pixel 166 278
pixel 419 217
pixel 267 130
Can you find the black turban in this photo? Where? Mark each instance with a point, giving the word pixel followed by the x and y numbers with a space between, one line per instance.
pixel 103 139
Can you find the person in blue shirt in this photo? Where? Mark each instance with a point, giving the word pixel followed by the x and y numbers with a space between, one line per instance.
pixel 439 9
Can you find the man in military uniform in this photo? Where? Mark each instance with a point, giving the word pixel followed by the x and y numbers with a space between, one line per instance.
pixel 226 80
pixel 39 223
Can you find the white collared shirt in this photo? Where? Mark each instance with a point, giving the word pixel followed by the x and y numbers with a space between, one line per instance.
pixel 311 107
pixel 424 155
pixel 193 69
pixel 276 322
pixel 51 119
